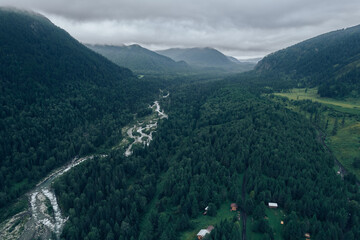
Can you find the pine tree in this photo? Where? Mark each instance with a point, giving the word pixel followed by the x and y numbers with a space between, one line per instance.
pixel 335 128
pixel 212 210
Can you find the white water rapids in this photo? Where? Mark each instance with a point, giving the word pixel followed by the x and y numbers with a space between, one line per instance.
pixel 43 198
pixel 145 136
pixel 44 216
pixel 39 209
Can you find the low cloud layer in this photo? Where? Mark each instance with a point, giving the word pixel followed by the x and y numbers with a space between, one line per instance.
pixel 236 27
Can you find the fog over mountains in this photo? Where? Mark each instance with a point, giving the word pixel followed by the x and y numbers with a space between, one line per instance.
pixel 195 60
pixel 237 28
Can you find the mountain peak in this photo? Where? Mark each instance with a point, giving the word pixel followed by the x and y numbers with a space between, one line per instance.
pixel 24 13
pixel 139 59
pixel 206 57
pixel 135 46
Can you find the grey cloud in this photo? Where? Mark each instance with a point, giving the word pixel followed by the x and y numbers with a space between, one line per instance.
pixel 240 28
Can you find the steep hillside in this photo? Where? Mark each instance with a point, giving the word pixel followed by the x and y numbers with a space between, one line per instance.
pixel 58 99
pixel 205 57
pixel 139 59
pixel 330 61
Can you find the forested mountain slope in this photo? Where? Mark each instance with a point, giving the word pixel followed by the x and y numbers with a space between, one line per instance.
pixel 330 61
pixel 140 59
pixel 58 99
pixel 205 57
pixel 216 138
pixel 223 142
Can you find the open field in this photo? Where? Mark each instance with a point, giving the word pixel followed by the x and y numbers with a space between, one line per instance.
pixel 249 233
pixel 345 144
pixel 274 218
pixel 204 221
pixel 347 106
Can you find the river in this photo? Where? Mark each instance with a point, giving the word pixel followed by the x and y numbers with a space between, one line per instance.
pixel 44 219
pixel 145 128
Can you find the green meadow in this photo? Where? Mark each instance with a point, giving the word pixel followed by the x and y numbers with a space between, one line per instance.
pixel 345 144
pixel 349 105
pixel 274 218
pixel 204 221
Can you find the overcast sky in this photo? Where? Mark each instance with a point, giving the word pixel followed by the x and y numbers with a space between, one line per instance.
pixel 236 27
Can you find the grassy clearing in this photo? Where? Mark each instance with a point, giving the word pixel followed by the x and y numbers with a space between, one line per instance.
pixel 345 144
pixel 204 221
pixel 249 232
pixel 347 105
pixel 274 218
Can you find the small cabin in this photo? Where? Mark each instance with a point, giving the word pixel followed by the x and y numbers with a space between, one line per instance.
pixel 233 207
pixel 307 236
pixel 273 205
pixel 201 234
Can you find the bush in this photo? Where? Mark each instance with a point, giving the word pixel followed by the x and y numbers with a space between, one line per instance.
pixel 211 210
pixel 356 163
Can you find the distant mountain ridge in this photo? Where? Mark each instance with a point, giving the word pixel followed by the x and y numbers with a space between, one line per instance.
pixel 252 60
pixel 330 61
pixel 206 58
pixel 139 59
pixel 232 59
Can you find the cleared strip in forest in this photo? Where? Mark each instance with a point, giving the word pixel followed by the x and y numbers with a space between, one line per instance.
pixel 350 105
